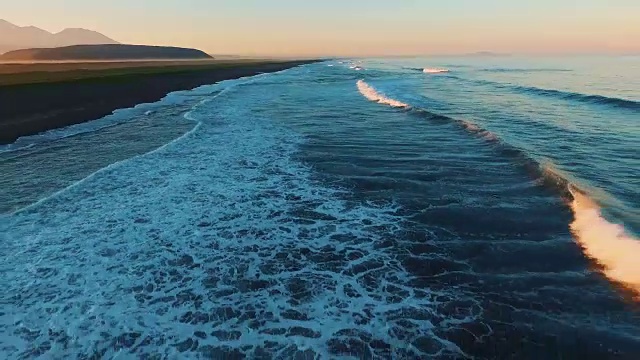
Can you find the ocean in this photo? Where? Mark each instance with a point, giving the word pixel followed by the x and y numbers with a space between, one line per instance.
pixel 393 208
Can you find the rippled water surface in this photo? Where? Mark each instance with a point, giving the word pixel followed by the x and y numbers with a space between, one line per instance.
pixel 346 209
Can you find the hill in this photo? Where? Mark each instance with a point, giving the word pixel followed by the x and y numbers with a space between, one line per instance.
pixel 104 53
pixel 13 37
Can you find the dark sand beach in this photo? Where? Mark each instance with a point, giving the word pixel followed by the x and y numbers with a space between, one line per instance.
pixel 44 96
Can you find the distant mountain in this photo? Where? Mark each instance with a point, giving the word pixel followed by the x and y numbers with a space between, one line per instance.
pixel 13 37
pixel 77 36
pixel 106 52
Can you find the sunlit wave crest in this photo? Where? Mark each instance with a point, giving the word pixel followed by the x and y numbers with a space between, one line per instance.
pixel 434 70
pixel 372 94
pixel 605 242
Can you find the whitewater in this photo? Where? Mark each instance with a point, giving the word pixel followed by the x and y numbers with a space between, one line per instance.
pixel 605 242
pixel 366 209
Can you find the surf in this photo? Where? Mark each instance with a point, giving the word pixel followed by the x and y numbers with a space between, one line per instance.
pixel 606 243
pixel 372 94
pixel 428 70
pixel 234 197
pixel 592 99
pixel 201 96
pixel 603 241
pixel 523 70
pixel 434 70
pixel 584 98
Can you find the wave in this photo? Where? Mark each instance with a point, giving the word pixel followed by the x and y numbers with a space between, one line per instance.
pixel 544 173
pixel 175 100
pixel 605 242
pixel 510 70
pixel 559 94
pixel 475 129
pixel 428 70
pixel 187 115
pixel 210 92
pixel 171 102
pixel 434 71
pixel 372 94
pixel 585 98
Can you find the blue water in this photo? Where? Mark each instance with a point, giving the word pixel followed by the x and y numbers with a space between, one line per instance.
pixel 330 211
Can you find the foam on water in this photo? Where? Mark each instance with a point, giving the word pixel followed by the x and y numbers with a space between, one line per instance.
pixel 606 243
pixel 120 116
pixel 372 94
pixel 245 238
pixel 213 90
pixel 117 117
pixel 216 244
pixel 603 241
pixel 434 70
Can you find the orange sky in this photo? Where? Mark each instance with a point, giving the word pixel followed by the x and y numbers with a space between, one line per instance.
pixel 349 27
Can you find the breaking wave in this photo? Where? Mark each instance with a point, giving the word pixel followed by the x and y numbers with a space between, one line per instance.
pixel 585 98
pixel 434 70
pixel 516 70
pixel 223 231
pixel 429 70
pixel 372 94
pixel 605 242
pixel 559 94
pixel 476 130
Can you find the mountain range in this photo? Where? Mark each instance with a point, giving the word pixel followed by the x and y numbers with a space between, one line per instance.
pixel 14 37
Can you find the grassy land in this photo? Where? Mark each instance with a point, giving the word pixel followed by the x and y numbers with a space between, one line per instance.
pixel 35 73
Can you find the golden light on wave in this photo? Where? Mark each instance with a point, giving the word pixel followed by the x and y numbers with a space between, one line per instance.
pixel 607 243
pixel 372 94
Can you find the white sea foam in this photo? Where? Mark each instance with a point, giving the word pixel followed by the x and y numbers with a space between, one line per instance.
pixel 434 70
pixel 372 94
pixel 187 116
pixel 225 232
pixel 606 243
pixel 211 91
pixel 118 117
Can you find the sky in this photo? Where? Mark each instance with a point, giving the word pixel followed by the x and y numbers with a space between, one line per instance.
pixel 348 27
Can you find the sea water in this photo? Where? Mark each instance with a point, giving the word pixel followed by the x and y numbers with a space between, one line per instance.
pixel 370 208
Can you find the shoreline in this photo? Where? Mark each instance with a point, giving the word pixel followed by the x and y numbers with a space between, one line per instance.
pixel 77 96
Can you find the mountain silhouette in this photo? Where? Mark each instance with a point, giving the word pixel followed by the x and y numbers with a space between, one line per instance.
pixel 13 37
pixel 106 52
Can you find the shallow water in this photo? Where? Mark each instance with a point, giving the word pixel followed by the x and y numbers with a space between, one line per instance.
pixel 325 211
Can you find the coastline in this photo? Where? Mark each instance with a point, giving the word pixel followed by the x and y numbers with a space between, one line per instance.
pixel 38 101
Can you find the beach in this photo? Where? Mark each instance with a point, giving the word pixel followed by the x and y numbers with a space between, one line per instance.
pixel 42 96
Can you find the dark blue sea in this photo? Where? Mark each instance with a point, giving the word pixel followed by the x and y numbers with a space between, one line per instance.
pixel 409 208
